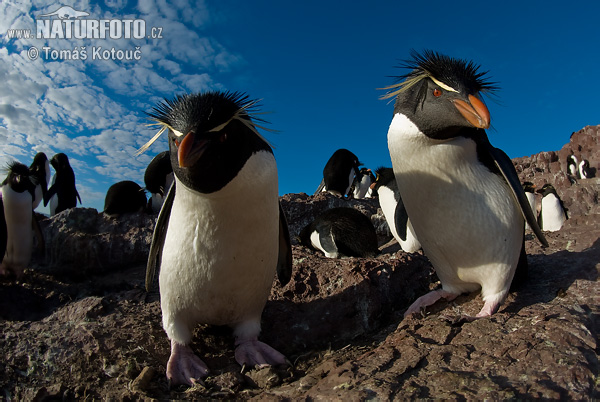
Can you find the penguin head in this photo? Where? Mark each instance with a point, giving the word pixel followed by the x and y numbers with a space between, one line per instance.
pixel 442 95
pixel 20 178
pixel 60 161
pixel 528 187
pixel 211 136
pixel 155 176
pixel 547 189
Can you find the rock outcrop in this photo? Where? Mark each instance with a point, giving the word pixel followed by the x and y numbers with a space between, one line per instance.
pixel 80 325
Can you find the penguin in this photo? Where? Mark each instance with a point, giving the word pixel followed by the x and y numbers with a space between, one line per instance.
pixel 62 194
pixel 393 209
pixel 529 189
pixel 339 172
pixel 362 183
pixel 158 179
pixel 341 232
pixel 18 223
pixel 124 197
pixel 584 169
pixel 463 195
pixel 40 168
pixel 553 213
pixel 221 234
pixel 572 166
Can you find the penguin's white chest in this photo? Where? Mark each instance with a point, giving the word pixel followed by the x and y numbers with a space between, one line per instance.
pixel 360 191
pixel 19 214
pixel 464 215
pixel 553 215
pixel 531 199
pixel 221 249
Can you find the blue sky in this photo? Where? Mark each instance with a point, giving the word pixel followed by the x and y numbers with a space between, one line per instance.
pixel 315 65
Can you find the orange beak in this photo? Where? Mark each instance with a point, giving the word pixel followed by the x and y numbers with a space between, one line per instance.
pixel 188 152
pixel 475 113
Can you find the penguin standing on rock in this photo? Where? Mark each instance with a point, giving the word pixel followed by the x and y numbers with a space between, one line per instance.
pixel 463 196
pixel 553 213
pixel 158 178
pixel 394 211
pixel 341 232
pixel 339 172
pixel 124 197
pixel 572 166
pixel 584 169
pixel 362 184
pixel 17 221
pixel 221 234
pixel 62 194
pixel 40 168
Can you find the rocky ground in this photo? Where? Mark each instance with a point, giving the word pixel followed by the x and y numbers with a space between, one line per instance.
pixel 81 326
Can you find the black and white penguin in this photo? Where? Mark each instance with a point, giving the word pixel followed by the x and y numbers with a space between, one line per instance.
pixel 18 224
pixel 40 168
pixel 463 196
pixel 124 197
pixel 339 172
pixel 362 184
pixel 62 194
pixel 553 213
pixel 393 209
pixel 158 178
pixel 584 169
pixel 341 232
pixel 221 234
pixel 529 189
pixel 572 167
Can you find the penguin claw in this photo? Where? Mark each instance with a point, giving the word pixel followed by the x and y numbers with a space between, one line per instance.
pixel 253 353
pixel 184 367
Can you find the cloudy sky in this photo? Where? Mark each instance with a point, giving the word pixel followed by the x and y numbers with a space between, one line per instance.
pixel 316 65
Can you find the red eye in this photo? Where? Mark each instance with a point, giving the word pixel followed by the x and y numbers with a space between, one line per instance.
pixel 177 142
pixel 437 92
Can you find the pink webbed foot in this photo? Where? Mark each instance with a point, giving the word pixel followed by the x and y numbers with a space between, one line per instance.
pixel 184 367
pixel 489 308
pixel 252 353
pixel 429 299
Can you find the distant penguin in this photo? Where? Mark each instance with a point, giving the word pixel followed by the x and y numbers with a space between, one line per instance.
pixel 362 183
pixel 40 168
pixel 463 195
pixel 572 166
pixel 124 197
pixel 529 189
pixel 553 213
pixel 394 211
pixel 221 234
pixel 158 179
pixel 63 193
pixel 339 172
pixel 341 232
pixel 18 220
pixel 584 169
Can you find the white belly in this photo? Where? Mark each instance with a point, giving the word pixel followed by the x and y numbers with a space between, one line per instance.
pixel 18 212
pixel 465 217
pixel 553 216
pixel 531 199
pixel 220 252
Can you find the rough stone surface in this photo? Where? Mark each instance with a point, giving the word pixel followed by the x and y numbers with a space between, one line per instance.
pixel 80 325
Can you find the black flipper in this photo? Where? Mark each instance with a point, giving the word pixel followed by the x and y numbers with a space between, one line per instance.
pixel 158 239
pixel 521 271
pixel 321 187
pixel 51 191
pixel 78 197
pixel 507 169
pixel 401 220
pixel 284 260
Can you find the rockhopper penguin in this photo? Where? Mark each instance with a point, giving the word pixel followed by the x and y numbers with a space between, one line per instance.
pixel 553 213
pixel 40 168
pixel 463 196
pixel 339 172
pixel 158 178
pixel 62 194
pixel 221 234
pixel 18 223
